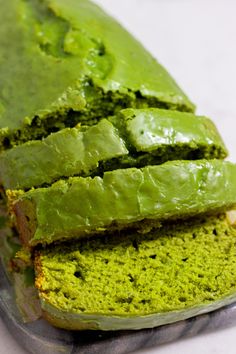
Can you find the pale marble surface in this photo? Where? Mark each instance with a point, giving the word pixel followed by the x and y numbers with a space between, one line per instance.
pixel 196 41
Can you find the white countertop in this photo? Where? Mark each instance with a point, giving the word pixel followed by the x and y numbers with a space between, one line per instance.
pixel 196 41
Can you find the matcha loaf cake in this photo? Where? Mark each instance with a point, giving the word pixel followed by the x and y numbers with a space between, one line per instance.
pixel 115 186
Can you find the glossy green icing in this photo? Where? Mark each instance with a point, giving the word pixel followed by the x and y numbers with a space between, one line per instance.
pixel 150 129
pixel 152 136
pixel 65 61
pixel 81 206
pixel 69 152
pixel 128 281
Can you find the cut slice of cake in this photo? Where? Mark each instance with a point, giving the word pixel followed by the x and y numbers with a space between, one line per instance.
pixel 128 281
pixel 79 207
pixel 139 137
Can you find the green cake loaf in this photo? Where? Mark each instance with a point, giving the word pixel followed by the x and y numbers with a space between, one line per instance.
pixel 119 282
pixel 83 206
pixel 117 190
pixel 139 137
pixel 72 62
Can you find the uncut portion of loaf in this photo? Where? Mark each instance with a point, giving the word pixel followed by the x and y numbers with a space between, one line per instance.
pixel 80 207
pixel 134 138
pixel 68 68
pixel 128 281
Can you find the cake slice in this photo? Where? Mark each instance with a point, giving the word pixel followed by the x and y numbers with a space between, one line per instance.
pixel 64 62
pixel 128 281
pixel 139 137
pixel 79 207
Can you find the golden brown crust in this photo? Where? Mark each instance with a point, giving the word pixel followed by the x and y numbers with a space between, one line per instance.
pixel 25 220
pixel 38 270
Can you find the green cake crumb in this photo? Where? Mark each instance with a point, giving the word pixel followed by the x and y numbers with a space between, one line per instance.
pixel 180 266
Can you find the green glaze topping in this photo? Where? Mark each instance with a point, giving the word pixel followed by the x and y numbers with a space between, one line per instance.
pixel 149 129
pixel 152 136
pixel 133 282
pixel 82 206
pixel 58 67
pixel 68 152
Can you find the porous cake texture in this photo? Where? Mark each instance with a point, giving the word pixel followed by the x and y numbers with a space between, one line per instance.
pixel 118 278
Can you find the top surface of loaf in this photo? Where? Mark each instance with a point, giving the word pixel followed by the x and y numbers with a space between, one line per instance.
pixel 59 56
